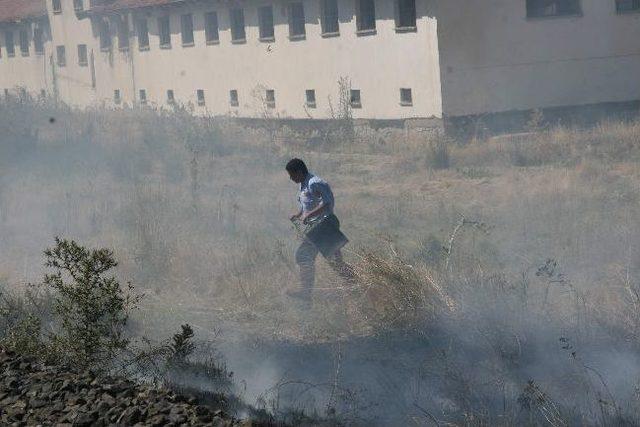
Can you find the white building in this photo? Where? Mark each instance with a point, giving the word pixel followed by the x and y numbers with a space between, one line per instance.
pixel 397 59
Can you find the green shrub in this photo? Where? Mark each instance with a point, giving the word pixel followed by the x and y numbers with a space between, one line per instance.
pixel 92 308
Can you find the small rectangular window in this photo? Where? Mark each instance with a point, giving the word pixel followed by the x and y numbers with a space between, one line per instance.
pixel 105 36
pixel 38 42
pixel 170 97
pixel 406 97
pixel 406 15
pixel 296 20
pixel 43 94
pixel 200 96
pixel 164 30
pixel 78 6
pixel 24 42
pixel 311 98
pixel 186 24
pixel 211 27
pixel 82 55
pixel 116 96
pixel 329 17
pixel 9 43
pixel 143 96
pixel 366 15
pixel 623 6
pixel 354 98
pixel 549 8
pixel 61 56
pixel 265 18
pixel 270 98
pixel 233 98
pixel 237 25
pixel 6 93
pixel 143 33
pixel 56 6
pixel 123 33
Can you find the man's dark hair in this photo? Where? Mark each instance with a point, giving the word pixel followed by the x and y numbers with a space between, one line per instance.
pixel 296 165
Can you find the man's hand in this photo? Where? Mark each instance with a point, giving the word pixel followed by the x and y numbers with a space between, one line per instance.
pixel 295 216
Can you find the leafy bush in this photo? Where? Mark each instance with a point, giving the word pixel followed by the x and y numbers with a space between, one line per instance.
pixel 93 308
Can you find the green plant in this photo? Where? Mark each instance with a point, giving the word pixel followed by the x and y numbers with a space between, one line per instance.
pixel 93 308
pixel 182 345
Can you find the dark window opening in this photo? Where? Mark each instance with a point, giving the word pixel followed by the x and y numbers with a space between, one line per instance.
pixel 123 33
pixel 329 17
pixel 200 96
pixel 186 22
pixel 56 6
pixel 296 20
pixel 406 97
pixel 354 98
pixel 116 96
pixel 366 15
pixel 406 14
pixel 237 25
pixel 170 97
pixel 61 56
pixel 38 42
pixel 78 6
pixel 310 95
pixel 143 96
pixel 82 55
pixel 627 5
pixel 105 36
pixel 547 8
pixel 211 27
pixel 24 42
pixel 265 18
pixel 270 98
pixel 233 98
pixel 143 33
pixel 164 29
pixel 9 43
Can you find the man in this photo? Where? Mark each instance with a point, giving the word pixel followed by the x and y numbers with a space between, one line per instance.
pixel 323 232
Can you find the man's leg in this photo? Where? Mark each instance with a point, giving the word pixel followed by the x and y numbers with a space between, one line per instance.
pixel 343 269
pixel 306 260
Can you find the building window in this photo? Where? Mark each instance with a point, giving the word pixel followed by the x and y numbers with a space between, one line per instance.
pixel 143 33
pixel 310 95
pixel 9 43
pixel 623 6
pixel 366 16
pixel 211 28
pixel 406 97
pixel 329 17
pixel 233 98
pixel 6 93
pixel 265 18
pixel 548 8
pixel 143 96
pixel 82 55
pixel 56 6
pixel 61 56
pixel 270 98
pixel 38 43
pixel 200 96
pixel 116 96
pixel 43 94
pixel 123 33
pixel 296 21
pixel 186 26
pixel 170 97
pixel 78 6
pixel 406 15
pixel 354 98
pixel 105 36
pixel 164 29
pixel 24 42
pixel 237 25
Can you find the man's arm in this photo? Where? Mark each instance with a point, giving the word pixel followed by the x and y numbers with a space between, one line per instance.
pixel 296 216
pixel 322 190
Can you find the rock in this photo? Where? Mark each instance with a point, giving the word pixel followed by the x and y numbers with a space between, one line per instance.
pixel 130 416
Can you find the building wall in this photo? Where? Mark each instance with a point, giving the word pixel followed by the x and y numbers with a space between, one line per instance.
pixel 494 59
pixel 32 72
pixel 378 64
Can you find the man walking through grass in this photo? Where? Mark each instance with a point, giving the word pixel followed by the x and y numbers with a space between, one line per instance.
pixel 322 233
